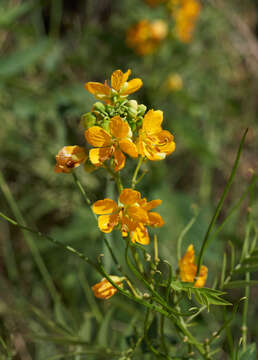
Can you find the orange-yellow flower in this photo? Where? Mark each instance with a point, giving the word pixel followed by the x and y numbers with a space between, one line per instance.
pixel 69 157
pixel 104 289
pixel 186 14
pixel 132 214
pixel 145 36
pixel 154 142
pixel 119 86
pixel 188 269
pixel 116 143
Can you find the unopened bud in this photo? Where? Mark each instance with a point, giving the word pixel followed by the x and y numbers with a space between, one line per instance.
pixel 141 109
pixel 98 106
pixel 88 120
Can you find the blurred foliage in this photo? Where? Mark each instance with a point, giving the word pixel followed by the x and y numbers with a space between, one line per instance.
pixel 48 50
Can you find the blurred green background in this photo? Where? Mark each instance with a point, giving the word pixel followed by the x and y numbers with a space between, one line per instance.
pixel 48 50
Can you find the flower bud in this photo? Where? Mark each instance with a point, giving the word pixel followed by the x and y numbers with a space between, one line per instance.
pixel 132 109
pixel 141 109
pixel 88 120
pixel 98 106
pixel 104 289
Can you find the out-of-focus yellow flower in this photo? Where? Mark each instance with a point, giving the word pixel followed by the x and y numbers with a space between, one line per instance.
pixel 119 86
pixel 116 143
pixel 104 289
pixel 154 142
pixel 145 36
pixel 185 13
pixel 188 269
pixel 174 82
pixel 132 214
pixel 69 157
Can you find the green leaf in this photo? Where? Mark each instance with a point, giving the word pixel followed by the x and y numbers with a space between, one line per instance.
pixel 249 353
pixel 240 283
pixel 247 268
pixel 18 61
pixel 10 15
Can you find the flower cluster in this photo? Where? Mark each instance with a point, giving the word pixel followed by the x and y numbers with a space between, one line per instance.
pixel 145 36
pixel 116 128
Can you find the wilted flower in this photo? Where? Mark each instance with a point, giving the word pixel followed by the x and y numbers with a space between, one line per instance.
pixel 69 157
pixel 145 36
pixel 104 289
pixel 111 144
pixel 132 214
pixel 154 142
pixel 188 269
pixel 119 86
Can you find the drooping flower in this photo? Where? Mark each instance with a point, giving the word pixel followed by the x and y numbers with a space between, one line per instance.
pixel 69 157
pixel 119 86
pixel 154 142
pixel 132 214
pixel 188 269
pixel 145 36
pixel 115 143
pixel 104 289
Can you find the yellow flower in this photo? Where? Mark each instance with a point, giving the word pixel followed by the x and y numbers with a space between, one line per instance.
pixel 145 36
pixel 188 269
pixel 185 16
pixel 114 144
pixel 132 213
pixel 154 142
pixel 69 157
pixel 174 82
pixel 119 86
pixel 104 289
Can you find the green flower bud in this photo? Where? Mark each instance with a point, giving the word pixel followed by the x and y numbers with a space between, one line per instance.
pixel 88 120
pixel 141 109
pixel 139 123
pixel 98 106
pixel 132 109
pixel 133 127
pixel 105 125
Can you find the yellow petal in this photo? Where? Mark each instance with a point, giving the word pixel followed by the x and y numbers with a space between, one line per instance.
pixel 118 79
pixel 152 204
pixel 99 155
pixel 119 128
pixel 202 277
pixel 128 147
pixel 106 206
pixel 119 160
pixel 138 214
pixel 155 219
pixel 104 289
pixel 140 235
pixel 108 222
pixel 132 86
pixel 187 271
pixel 97 89
pixel 98 137
pixel 129 196
pixel 152 121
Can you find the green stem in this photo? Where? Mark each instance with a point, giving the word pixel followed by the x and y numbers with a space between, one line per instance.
pixel 220 204
pixel 88 202
pixel 29 240
pixel 134 178
pixel 115 176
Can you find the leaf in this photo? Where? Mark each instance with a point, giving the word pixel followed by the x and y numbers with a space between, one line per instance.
pixel 18 61
pixel 247 268
pixel 249 353
pixel 10 15
pixel 240 283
